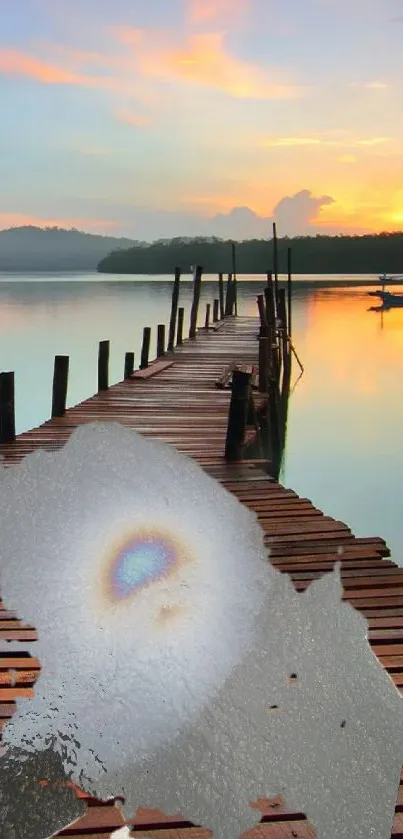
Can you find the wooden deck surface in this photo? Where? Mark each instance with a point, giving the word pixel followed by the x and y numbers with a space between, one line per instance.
pixel 177 402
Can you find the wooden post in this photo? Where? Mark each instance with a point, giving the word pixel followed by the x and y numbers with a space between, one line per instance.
pixel 275 259
pixel 196 301
pixel 145 349
pixel 221 295
pixel 160 340
pixel 274 427
pixel 129 365
pixel 262 315
pixel 59 389
pixel 289 288
pixel 228 297
pixel 103 365
pixel 7 408
pixel 234 278
pixel 216 304
pixel 238 413
pixel 263 365
pixel 179 335
pixel 174 310
pixel 270 298
pixel 282 313
pixel 207 318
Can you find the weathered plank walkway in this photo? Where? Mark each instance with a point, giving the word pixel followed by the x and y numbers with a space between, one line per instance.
pixel 180 404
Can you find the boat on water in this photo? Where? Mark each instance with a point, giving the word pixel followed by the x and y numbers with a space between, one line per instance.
pixel 388 299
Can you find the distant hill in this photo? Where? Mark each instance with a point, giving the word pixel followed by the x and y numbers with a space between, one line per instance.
pixel 55 249
pixel 368 254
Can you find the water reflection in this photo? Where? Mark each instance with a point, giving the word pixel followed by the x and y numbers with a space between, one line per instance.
pixel 345 415
pixel 343 444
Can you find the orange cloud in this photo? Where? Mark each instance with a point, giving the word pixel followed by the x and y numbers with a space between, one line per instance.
pixel 14 62
pixel 289 142
pixel 23 219
pixel 205 11
pixel 203 60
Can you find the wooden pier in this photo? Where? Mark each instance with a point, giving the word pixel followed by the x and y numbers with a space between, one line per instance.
pixel 176 399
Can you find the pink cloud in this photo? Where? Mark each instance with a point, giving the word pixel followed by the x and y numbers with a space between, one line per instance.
pixel 13 62
pixel 205 11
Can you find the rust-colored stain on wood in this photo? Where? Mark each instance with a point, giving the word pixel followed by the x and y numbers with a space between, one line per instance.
pixel 178 402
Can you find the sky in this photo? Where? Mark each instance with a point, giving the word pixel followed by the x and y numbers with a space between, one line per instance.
pixel 159 118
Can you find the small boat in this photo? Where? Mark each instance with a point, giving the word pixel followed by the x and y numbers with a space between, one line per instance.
pixel 388 300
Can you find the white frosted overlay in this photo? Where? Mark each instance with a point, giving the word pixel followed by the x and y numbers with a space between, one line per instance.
pixel 167 645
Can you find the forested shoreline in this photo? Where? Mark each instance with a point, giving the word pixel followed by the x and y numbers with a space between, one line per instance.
pixel 310 255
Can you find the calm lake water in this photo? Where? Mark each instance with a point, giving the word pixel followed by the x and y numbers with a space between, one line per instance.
pixel 344 446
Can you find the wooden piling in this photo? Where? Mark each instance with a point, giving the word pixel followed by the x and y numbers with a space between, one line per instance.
pixel 237 417
pixel 274 426
pixel 289 289
pixel 234 279
pixel 221 296
pixel 207 318
pixel 262 315
pixel 179 334
pixel 129 365
pixel 275 259
pixel 196 301
pixel 263 364
pixel 228 297
pixel 145 349
pixel 216 304
pixel 174 310
pixel 103 365
pixel 282 313
pixel 7 408
pixel 60 383
pixel 160 340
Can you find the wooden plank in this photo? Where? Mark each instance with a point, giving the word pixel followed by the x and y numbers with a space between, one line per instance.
pixel 152 369
pixel 177 401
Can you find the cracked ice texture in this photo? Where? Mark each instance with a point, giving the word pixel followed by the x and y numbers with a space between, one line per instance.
pixel 166 640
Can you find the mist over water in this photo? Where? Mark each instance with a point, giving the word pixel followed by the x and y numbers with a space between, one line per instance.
pixel 344 429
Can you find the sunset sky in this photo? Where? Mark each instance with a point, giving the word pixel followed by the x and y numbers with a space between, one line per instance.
pixel 153 118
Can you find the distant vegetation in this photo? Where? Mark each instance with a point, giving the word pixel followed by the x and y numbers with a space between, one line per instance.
pixel 54 249
pixel 310 255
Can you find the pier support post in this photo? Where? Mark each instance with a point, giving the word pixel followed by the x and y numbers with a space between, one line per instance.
pixel 129 365
pixel 263 364
pixel 7 408
pixel 196 301
pixel 262 315
pixel 229 297
pixel 216 304
pixel 160 340
pixel 282 314
pixel 289 290
pixel 179 334
pixel 145 348
pixel 174 310
pixel 238 414
pixel 60 383
pixel 275 260
pixel 103 365
pixel 221 296
pixel 207 318
pixel 234 279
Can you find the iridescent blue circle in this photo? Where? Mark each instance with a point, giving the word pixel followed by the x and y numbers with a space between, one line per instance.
pixel 138 564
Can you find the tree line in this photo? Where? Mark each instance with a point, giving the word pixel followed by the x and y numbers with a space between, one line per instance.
pixel 375 253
